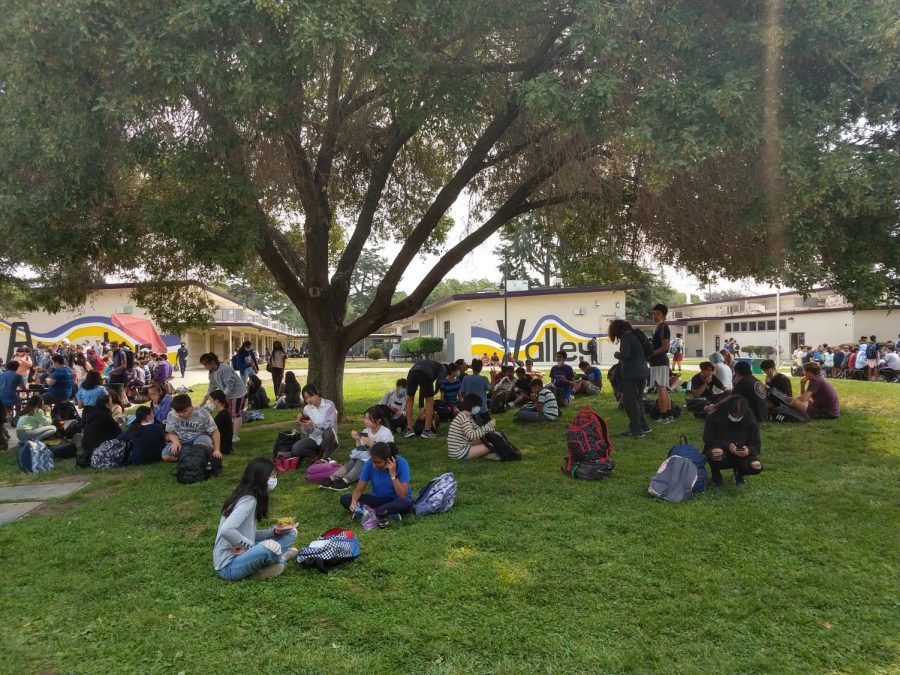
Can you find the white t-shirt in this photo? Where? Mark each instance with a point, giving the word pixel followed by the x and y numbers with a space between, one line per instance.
pixel 724 374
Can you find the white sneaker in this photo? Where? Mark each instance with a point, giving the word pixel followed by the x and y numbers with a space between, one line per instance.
pixel 235 438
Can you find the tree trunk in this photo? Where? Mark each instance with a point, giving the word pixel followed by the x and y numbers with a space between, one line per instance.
pixel 327 356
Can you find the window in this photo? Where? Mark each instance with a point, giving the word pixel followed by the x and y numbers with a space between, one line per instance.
pixel 782 324
pixel 727 327
pixel 752 326
pixel 446 330
pixel 426 328
pixel 770 325
pixel 743 325
pixel 693 330
pixel 760 325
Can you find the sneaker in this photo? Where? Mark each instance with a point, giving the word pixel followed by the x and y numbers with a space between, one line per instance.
pixel 235 438
pixel 647 430
pixel 383 521
pixel 717 482
pixel 325 484
pixel 664 420
pixel 428 433
pixel 409 434
pixel 338 485
pixel 739 480
pixel 269 572
pixel 628 434
pixel 395 517
pixel 290 554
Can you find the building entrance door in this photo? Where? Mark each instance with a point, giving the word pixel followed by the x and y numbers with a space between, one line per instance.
pixel 797 339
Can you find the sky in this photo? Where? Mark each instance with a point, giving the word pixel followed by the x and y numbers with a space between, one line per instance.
pixel 473 265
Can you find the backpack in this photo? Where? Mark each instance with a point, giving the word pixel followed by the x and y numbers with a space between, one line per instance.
pixel 111 454
pixel 558 395
pixel 675 347
pixel 651 407
pixel 587 440
pixel 441 411
pixel 674 480
pixel 688 451
pixel 284 442
pixel 64 450
pixel 593 470
pixel 34 457
pixel 287 463
pixel 64 410
pixel 498 403
pixel 260 399
pixel 252 416
pixel 334 547
pixel 785 413
pixel 319 471
pixel 419 425
pixel 194 464
pixel 872 350
pixel 437 496
pixel 644 340
pixel 70 428
pixel 501 445
pixel 129 359
pixel 237 362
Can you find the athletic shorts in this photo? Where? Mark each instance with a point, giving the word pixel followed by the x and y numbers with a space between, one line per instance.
pixel 236 406
pixel 416 380
pixel 679 357
pixel 659 376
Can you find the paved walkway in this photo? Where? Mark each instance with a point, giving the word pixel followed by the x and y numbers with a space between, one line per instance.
pixel 31 496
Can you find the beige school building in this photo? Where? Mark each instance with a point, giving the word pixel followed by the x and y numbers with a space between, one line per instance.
pixel 541 322
pixel 823 317
pixel 231 324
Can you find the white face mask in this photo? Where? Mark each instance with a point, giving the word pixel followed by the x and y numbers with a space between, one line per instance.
pixel 735 419
pixel 271 483
pixel 476 410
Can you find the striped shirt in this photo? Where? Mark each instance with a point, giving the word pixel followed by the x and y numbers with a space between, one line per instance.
pixel 548 399
pixel 462 432
pixel 450 390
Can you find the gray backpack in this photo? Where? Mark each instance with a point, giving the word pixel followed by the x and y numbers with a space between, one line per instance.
pixel 674 481
pixel 437 496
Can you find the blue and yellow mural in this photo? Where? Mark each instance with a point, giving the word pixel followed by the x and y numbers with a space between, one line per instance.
pixel 85 328
pixel 550 335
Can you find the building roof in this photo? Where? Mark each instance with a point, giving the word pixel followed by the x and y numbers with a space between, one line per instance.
pixel 748 297
pixel 493 295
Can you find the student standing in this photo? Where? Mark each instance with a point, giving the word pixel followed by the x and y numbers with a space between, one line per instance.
pixel 422 378
pixel 633 372
pixel 222 376
pixel 659 363
pixel 182 356
pixel 277 361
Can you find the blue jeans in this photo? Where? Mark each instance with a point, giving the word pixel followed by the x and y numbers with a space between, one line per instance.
pixel 528 414
pixel 38 434
pixel 257 557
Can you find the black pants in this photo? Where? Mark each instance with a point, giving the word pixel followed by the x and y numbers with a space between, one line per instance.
pixel 382 507
pixel 309 449
pixel 182 365
pixel 277 376
pixel 730 461
pixel 632 401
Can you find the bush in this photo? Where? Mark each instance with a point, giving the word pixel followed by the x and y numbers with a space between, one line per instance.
pixel 375 354
pixel 422 346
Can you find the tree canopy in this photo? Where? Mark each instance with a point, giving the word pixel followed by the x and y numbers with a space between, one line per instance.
pixel 756 139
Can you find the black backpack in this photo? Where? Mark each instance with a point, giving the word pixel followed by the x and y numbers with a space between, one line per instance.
pixel 651 407
pixel 194 464
pixel 644 340
pixel 129 360
pixel 501 445
pixel 785 413
pixel 64 410
pixel 284 442
pixel 498 403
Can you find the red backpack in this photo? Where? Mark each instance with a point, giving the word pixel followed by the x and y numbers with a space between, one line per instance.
pixel 587 439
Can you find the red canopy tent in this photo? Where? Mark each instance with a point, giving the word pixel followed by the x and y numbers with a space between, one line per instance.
pixel 140 330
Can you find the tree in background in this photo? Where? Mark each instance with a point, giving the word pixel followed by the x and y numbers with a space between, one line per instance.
pixel 640 301
pixel 714 135
pixel 449 287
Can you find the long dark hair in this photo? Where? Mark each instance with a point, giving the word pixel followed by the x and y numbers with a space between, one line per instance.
pixel 290 378
pixel 141 414
pixel 277 346
pixel 617 328
pixel 92 380
pixel 253 484
pixel 376 414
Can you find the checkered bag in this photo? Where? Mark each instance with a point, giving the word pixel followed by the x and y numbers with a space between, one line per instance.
pixel 335 547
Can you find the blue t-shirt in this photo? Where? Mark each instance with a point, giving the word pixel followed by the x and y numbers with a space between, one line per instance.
pixel 558 373
pixel 450 391
pixel 64 380
pixel 10 380
pixel 382 485
pixel 594 375
pixel 475 384
pixel 88 397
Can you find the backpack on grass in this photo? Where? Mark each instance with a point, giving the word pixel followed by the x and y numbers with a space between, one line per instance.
pixel 674 480
pixel 688 451
pixel 651 407
pixel 34 457
pixel 587 440
pixel 334 547
pixel 284 442
pixel 194 464
pixel 437 496
pixel 498 403
pixel 502 446
pixel 319 471
pixel 785 413
pixel 111 454
pixel 591 470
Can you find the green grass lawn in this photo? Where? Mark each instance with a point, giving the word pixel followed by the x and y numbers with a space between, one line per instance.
pixel 530 572
pixel 303 364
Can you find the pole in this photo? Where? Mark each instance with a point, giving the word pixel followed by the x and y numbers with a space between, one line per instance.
pixel 778 326
pixel 505 317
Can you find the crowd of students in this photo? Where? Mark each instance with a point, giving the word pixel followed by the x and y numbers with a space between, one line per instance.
pixel 869 359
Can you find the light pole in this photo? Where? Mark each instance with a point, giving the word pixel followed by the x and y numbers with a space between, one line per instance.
pixel 505 317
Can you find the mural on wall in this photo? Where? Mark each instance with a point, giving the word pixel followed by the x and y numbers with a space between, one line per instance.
pixel 550 335
pixel 87 329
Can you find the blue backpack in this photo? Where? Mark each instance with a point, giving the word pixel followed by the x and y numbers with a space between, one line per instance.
pixel 688 451
pixel 437 496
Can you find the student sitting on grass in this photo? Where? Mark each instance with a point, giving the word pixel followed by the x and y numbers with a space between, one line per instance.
pixel 563 377
pixel 257 398
pixel 33 423
pixel 391 492
pixel 160 403
pixel 545 407
pixel 503 385
pixel 318 421
pixel 464 437
pixel 705 383
pixel 476 383
pixel 190 425
pixel 241 550
pixel 395 401
pixel 776 380
pixel 376 431
pixel 90 390
pixel 751 389
pixel 731 441
pixel 223 420
pixel 146 436
pixel 289 396
pixel 449 387
pixel 116 407
pixel 522 387
pixel 590 382
pixel 99 424
pixel 818 398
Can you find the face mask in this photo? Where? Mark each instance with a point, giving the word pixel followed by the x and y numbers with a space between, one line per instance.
pixel 735 419
pixel 476 410
pixel 402 391
pixel 271 483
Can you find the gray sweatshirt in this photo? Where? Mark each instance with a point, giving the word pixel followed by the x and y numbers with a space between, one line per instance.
pixel 227 380
pixel 238 529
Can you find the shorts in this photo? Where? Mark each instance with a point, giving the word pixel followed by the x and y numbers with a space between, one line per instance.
pixel 415 380
pixel 817 413
pixel 659 376
pixel 678 358
pixel 236 406
pixel 872 362
pixel 202 439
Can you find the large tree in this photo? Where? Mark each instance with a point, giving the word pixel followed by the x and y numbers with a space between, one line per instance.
pixel 301 134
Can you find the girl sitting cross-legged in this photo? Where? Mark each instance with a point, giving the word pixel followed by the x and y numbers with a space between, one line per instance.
pixel 391 492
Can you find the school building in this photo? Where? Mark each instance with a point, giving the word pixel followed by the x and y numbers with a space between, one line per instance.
pixel 541 322
pixel 110 313
pixel 823 317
